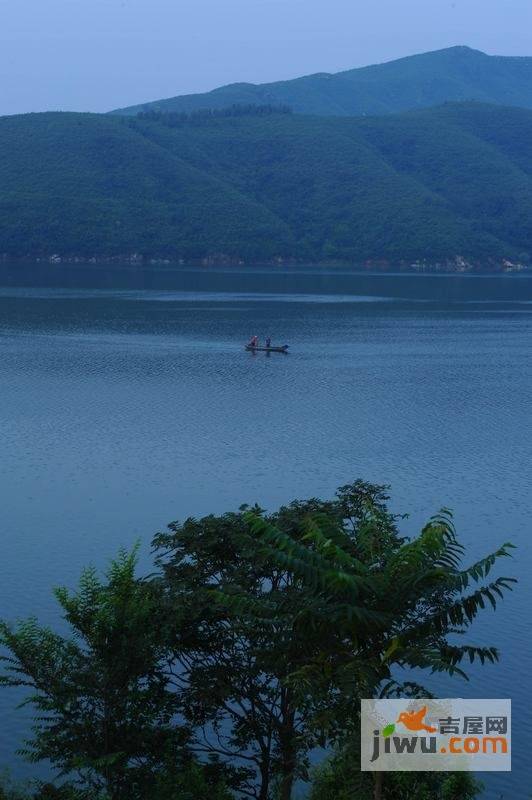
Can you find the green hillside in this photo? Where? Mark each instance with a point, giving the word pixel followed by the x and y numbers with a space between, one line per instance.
pixel 87 184
pixel 420 81
pixel 431 184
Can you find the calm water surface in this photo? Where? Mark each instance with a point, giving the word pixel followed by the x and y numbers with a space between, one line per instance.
pixel 127 401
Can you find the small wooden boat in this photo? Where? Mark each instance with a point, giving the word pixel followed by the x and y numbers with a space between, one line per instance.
pixel 282 349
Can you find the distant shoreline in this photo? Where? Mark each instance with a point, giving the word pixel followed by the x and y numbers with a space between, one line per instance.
pixel 457 265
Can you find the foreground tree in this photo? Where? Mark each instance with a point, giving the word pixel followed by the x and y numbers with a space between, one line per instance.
pixel 392 602
pixel 234 670
pixel 252 645
pixel 295 616
pixel 106 712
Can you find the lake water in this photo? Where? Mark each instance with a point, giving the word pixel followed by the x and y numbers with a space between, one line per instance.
pixel 127 401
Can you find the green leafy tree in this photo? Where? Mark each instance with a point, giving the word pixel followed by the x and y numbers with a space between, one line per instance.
pixel 106 712
pixel 235 666
pixel 294 616
pixel 392 602
pixel 252 645
pixel 233 669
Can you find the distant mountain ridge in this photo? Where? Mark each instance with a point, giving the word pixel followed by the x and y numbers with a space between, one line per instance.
pixel 424 185
pixel 454 74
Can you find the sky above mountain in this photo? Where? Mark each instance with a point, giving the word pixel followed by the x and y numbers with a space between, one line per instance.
pixel 94 55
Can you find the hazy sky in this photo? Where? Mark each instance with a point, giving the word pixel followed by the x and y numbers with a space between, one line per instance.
pixel 99 54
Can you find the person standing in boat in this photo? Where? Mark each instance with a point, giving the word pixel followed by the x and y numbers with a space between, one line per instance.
pixel 253 342
pixel 268 341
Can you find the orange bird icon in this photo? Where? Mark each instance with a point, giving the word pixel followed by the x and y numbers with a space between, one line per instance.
pixel 413 720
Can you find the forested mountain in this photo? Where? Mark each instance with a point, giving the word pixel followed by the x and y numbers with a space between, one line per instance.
pixel 420 81
pixel 260 185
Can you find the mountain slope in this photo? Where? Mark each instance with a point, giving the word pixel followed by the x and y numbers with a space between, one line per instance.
pixel 420 81
pixel 428 184
pixel 81 183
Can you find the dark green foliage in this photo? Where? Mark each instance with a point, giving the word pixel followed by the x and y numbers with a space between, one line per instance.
pixel 390 603
pixel 420 81
pixel 83 184
pixel 251 646
pixel 105 707
pixel 9 791
pixel 189 781
pixel 339 778
pixel 395 602
pixel 176 118
pixel 49 791
pixel 260 185
pixel 235 669
pixel 296 615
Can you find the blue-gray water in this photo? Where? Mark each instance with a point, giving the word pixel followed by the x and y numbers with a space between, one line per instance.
pixel 127 401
